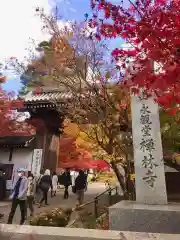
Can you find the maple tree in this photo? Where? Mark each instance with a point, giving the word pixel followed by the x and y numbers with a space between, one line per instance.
pixel 73 151
pixel 151 30
pixel 9 124
pixel 52 58
pixel 76 64
pixel 106 120
pixel 104 140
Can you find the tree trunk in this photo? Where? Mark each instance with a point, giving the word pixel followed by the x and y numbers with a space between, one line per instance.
pixel 119 176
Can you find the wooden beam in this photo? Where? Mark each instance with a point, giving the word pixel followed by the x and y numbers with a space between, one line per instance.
pixel 10 154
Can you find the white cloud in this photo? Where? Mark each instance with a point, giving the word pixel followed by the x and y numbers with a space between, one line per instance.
pixel 18 24
pixel 126 46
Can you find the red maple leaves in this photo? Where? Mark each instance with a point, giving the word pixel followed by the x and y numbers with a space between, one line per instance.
pixel 72 156
pixel 152 31
pixel 9 126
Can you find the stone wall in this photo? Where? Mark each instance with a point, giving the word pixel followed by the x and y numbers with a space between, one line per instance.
pixel 14 232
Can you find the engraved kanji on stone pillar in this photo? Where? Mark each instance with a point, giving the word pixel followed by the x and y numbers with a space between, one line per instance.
pixel 148 155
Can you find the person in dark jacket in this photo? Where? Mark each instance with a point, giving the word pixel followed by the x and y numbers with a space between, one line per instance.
pixel 45 185
pixel 86 173
pixel 38 194
pixel 2 185
pixel 80 185
pixel 66 182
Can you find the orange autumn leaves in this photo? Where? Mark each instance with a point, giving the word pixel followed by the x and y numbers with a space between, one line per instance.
pixel 73 150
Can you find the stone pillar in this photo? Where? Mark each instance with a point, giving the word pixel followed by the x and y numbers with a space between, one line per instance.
pixel 150 212
pixel 148 155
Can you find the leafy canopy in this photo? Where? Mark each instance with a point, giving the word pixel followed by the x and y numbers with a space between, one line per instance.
pixel 151 31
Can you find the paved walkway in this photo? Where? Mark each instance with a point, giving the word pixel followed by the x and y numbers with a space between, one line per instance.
pixel 93 190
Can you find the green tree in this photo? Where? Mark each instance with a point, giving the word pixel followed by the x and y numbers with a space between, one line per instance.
pixel 170 129
pixel 170 132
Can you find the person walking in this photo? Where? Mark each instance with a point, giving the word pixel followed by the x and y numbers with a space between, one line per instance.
pixel 74 175
pixel 80 185
pixel 86 173
pixel 19 196
pixel 2 185
pixel 30 193
pixel 54 184
pixel 45 185
pixel 38 193
pixel 66 182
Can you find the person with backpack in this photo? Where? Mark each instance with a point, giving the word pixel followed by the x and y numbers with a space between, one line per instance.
pixel 2 185
pixel 66 182
pixel 80 185
pixel 45 185
pixel 86 173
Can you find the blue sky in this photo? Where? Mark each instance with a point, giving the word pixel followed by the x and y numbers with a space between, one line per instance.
pixel 24 26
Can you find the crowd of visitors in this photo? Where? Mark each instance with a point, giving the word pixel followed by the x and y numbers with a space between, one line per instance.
pixel 29 190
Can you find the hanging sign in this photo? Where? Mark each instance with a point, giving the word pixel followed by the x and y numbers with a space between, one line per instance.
pixel 36 162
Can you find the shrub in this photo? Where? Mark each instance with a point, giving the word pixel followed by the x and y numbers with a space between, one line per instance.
pixel 103 222
pixel 57 217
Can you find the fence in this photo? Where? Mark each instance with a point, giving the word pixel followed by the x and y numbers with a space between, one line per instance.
pixel 104 200
pixel 98 205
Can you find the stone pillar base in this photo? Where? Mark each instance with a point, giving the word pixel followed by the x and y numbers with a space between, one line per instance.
pixel 131 216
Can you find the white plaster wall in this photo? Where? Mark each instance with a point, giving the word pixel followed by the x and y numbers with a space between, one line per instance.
pixel 4 156
pixel 21 158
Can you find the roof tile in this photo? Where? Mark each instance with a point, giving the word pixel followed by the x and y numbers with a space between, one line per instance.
pixel 47 96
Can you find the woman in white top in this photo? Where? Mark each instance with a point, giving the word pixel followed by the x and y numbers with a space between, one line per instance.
pixel 54 184
pixel 74 175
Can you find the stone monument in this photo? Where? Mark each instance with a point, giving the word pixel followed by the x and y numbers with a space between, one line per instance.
pixel 150 212
pixel 148 154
